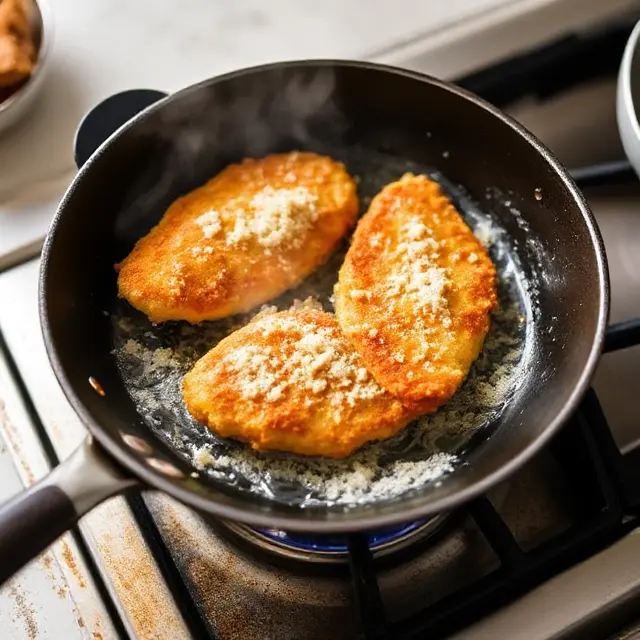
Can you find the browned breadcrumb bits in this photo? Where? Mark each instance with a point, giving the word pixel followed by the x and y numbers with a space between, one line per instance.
pixel 96 386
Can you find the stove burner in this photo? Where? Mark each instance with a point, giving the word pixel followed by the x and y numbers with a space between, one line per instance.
pixel 333 549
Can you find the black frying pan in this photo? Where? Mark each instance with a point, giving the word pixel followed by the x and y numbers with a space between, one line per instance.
pixel 380 121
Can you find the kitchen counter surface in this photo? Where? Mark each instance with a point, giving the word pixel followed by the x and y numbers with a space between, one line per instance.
pixel 104 46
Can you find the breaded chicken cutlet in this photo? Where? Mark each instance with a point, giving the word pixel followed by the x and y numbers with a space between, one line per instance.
pixel 415 293
pixel 290 381
pixel 250 233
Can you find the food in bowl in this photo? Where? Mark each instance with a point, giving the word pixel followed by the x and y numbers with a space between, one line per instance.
pixel 18 52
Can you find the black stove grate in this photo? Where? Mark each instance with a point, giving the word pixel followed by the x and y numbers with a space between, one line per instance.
pixel 609 485
pixel 553 67
pixel 608 173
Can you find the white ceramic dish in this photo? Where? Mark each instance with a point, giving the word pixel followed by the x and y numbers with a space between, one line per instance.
pixel 628 99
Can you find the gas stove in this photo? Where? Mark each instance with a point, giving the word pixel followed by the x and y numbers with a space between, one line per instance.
pixel 554 552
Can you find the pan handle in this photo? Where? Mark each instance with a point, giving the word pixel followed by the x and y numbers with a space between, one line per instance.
pixel 35 518
pixel 107 117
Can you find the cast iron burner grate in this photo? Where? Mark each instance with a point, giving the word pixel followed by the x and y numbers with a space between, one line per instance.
pixel 603 478
pixel 334 550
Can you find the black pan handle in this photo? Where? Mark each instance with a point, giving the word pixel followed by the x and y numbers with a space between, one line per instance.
pixel 107 117
pixel 35 518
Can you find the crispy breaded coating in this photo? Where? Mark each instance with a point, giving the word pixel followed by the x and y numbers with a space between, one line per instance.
pixel 415 293
pixel 290 381
pixel 253 231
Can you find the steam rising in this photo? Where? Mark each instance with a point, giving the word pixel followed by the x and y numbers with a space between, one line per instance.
pixel 210 125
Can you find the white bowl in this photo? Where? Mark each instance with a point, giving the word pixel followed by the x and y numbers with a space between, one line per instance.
pixel 628 99
pixel 13 108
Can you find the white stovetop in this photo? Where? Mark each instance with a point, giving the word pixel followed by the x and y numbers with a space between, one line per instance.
pixel 101 47
pixel 104 46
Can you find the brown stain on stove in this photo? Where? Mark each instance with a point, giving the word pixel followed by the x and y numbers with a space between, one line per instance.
pixel 80 622
pixel 245 614
pixel 46 559
pixel 13 437
pixel 56 431
pixel 70 561
pixel 137 583
pixel 228 559
pixel 243 608
pixel 96 627
pixel 24 611
pixel 211 582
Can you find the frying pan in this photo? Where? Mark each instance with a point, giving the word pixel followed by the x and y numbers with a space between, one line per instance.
pixel 166 145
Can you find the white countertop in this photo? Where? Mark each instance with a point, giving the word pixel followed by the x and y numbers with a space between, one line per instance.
pixel 101 47
pixel 104 46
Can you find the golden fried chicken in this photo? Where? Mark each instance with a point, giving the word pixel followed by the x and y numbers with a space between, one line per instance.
pixel 253 231
pixel 290 381
pixel 415 293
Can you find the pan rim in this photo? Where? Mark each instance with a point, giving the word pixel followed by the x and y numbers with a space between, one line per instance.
pixel 340 522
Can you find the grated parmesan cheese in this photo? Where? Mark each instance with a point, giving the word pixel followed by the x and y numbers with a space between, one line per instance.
pixel 202 458
pixel 418 280
pixel 210 223
pixel 357 294
pixel 349 482
pixel 279 218
pixel 375 240
pixel 152 361
pixel 310 362
pixel 273 218
pixel 485 232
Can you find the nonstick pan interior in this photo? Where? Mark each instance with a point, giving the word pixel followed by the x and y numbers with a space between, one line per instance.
pixel 153 359
pixel 543 343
